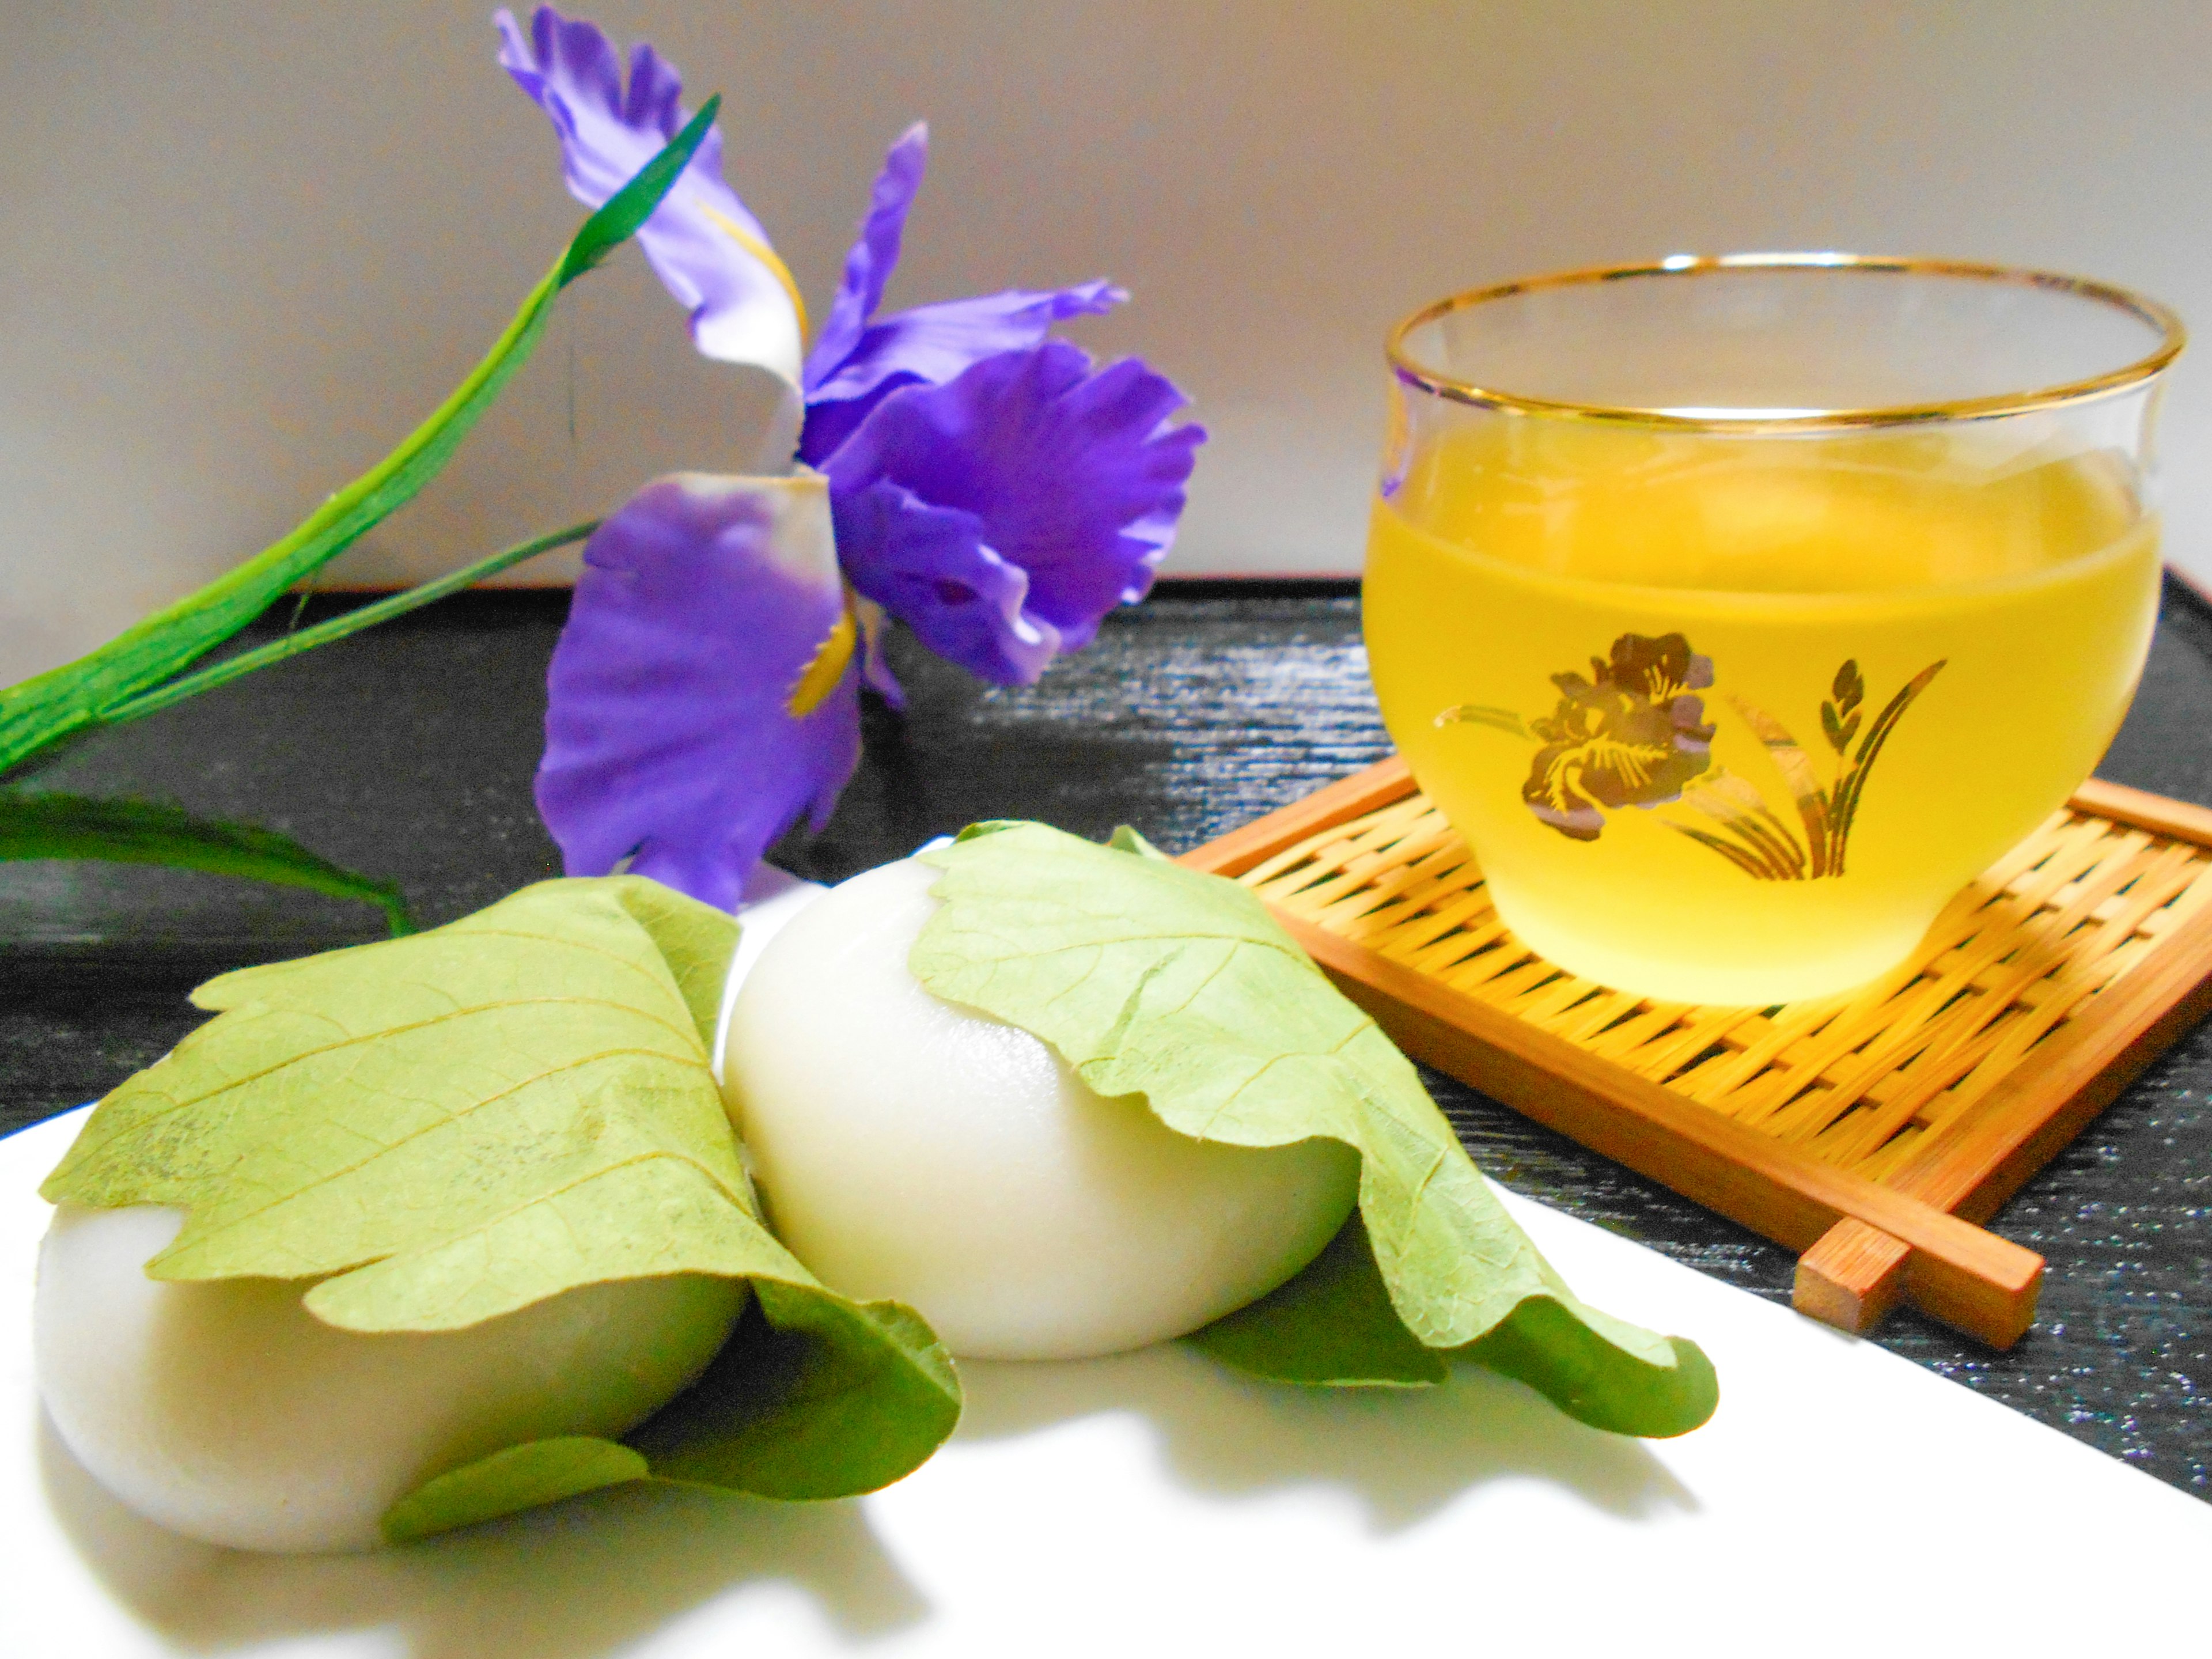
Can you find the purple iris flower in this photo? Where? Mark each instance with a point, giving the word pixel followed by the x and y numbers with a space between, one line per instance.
pixel 706 248
pixel 977 480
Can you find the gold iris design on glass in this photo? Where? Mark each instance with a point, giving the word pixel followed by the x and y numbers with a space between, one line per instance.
pixel 1632 733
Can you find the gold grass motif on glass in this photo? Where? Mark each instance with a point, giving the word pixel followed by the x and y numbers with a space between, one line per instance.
pixel 1632 733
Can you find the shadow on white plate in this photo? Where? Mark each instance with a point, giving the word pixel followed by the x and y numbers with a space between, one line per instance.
pixel 584 1577
pixel 1406 1453
pixel 592 1574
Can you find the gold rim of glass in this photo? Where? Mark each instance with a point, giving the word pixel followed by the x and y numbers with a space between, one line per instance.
pixel 2171 338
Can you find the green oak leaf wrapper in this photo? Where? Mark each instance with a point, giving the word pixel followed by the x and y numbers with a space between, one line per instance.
pixel 446 1127
pixel 1157 981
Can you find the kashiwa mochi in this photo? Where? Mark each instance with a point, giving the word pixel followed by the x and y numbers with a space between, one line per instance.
pixel 225 1411
pixel 906 1148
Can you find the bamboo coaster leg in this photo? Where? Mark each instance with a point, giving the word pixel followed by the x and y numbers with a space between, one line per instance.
pixel 1852 1276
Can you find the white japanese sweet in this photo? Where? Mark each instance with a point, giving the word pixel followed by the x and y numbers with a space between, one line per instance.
pixel 227 1412
pixel 910 1148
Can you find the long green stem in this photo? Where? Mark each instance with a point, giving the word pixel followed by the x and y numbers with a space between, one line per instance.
pixel 47 708
pixel 353 622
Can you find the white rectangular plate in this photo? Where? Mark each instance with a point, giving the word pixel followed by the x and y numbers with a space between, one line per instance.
pixel 1842 1500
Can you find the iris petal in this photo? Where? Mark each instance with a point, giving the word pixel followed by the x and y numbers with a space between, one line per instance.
pixel 930 567
pixel 859 361
pixel 875 667
pixel 928 346
pixel 874 255
pixel 669 734
pixel 708 250
pixel 1027 462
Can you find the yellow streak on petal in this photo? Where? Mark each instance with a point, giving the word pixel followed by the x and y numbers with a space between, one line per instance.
pixel 767 255
pixel 820 676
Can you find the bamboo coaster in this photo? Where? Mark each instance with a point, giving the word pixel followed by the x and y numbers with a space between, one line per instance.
pixel 1870 1132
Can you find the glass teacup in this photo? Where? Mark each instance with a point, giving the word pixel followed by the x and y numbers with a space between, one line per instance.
pixel 1738 612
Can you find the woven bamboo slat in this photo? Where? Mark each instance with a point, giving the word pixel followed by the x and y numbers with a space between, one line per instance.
pixel 1869 1130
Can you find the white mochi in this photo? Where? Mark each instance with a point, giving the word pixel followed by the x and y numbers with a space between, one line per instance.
pixel 225 1411
pixel 908 1148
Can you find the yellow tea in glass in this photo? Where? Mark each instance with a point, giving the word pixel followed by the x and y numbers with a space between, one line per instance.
pixel 1738 612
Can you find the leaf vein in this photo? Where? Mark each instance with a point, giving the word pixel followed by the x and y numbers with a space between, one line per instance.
pixel 181 1102
pixel 452 1117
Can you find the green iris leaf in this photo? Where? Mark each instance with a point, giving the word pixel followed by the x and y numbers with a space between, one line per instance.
pixel 444 1128
pixel 1152 980
pixel 42 825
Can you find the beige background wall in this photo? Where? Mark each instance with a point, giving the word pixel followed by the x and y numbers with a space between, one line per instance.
pixel 245 245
